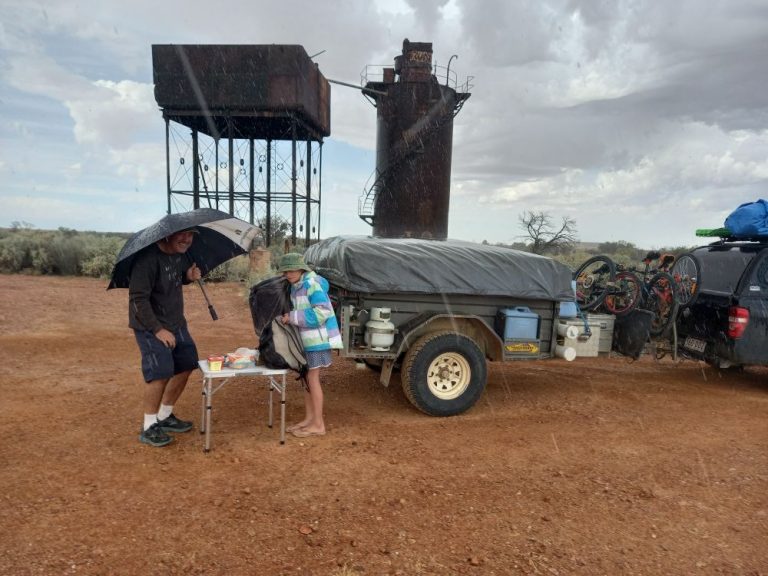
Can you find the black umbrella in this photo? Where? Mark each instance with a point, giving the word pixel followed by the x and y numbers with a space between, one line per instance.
pixel 220 237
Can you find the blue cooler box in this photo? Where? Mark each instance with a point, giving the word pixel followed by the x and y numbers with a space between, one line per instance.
pixel 519 328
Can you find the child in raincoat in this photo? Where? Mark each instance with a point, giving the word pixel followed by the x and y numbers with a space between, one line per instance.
pixel 313 314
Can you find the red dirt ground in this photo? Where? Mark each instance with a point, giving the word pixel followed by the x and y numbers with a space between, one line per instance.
pixel 597 466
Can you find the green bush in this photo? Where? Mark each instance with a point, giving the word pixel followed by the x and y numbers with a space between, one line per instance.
pixel 58 252
pixel 234 270
pixel 101 256
pixel 15 252
pixel 66 252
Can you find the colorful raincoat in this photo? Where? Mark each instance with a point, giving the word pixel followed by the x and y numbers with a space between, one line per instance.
pixel 313 313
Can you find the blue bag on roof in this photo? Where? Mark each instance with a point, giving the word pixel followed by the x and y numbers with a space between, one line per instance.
pixel 749 220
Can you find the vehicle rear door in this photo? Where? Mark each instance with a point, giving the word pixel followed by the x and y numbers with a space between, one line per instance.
pixel 702 328
pixel 752 294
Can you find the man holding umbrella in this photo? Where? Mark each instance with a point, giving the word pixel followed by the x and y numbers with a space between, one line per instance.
pixel 153 264
pixel 156 314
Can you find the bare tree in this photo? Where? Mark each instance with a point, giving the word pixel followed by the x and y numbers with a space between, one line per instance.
pixel 543 236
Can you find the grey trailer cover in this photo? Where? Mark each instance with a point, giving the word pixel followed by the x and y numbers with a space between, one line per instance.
pixel 374 265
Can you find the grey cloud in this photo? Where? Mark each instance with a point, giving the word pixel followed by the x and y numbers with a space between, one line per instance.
pixel 427 13
pixel 504 33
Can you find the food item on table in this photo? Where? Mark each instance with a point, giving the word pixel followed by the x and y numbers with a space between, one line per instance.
pixel 215 363
pixel 242 358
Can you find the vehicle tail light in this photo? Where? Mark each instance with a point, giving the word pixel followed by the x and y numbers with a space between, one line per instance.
pixel 738 318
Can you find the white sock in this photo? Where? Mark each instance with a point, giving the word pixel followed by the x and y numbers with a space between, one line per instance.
pixel 164 411
pixel 149 419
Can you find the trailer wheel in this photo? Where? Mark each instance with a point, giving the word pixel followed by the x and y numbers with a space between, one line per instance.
pixel 444 374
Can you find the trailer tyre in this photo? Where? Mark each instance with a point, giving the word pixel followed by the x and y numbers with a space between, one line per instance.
pixel 444 374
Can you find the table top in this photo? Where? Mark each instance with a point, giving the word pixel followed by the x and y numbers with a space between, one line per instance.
pixel 229 372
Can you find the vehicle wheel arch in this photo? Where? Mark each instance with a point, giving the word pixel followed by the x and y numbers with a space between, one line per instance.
pixel 471 326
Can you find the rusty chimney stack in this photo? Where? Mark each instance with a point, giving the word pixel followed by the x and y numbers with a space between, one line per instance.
pixel 410 194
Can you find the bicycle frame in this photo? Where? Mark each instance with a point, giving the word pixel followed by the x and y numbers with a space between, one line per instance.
pixel 652 289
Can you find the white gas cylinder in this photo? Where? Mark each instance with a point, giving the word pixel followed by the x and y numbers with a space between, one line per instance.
pixel 379 331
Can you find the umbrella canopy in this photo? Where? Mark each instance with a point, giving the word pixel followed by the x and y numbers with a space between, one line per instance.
pixel 220 237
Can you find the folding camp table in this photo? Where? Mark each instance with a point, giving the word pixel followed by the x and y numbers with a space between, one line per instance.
pixel 276 379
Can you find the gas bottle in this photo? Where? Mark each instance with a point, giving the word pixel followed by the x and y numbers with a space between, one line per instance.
pixel 379 331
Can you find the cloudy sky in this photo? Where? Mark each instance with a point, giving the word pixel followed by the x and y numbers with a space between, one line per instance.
pixel 641 120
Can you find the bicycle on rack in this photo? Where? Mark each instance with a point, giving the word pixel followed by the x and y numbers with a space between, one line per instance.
pixel 599 282
pixel 592 279
pixel 686 271
pixel 653 289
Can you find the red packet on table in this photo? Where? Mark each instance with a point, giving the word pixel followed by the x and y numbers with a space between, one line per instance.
pixel 242 358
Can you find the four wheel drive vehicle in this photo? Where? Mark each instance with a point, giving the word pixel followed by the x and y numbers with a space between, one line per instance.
pixel 725 322
pixel 439 309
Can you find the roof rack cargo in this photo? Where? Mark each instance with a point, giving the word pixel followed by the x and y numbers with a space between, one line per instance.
pixel 725 235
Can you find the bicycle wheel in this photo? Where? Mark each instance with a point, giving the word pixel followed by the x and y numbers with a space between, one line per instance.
pixel 660 299
pixel 623 295
pixel 592 280
pixel 687 275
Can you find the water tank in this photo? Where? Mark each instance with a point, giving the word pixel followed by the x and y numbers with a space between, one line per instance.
pixel 414 139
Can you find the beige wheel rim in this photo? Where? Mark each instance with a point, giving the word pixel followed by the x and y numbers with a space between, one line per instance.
pixel 448 376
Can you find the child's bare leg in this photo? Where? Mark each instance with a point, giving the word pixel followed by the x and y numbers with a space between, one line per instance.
pixel 317 423
pixel 308 413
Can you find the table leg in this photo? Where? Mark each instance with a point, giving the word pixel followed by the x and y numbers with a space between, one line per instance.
pixel 208 409
pixel 271 390
pixel 282 412
pixel 202 407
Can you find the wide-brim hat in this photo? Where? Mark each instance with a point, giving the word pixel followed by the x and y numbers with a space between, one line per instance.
pixel 292 261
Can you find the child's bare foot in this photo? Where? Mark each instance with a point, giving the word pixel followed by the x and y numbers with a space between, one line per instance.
pixel 305 432
pixel 297 426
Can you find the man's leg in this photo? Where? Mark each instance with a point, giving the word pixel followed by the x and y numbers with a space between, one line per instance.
pixel 166 417
pixel 153 395
pixel 174 388
pixel 152 434
pixel 184 359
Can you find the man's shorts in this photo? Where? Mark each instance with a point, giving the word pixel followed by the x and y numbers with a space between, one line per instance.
pixel 158 362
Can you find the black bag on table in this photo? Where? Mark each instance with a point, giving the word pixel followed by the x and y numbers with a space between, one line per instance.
pixel 279 345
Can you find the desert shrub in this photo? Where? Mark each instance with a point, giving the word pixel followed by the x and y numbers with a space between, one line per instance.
pixel 59 252
pixel 234 270
pixel 100 256
pixel 15 252
pixel 65 253
pixel 574 258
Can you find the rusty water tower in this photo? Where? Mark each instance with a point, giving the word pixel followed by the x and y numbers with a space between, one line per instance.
pixel 409 194
pixel 244 128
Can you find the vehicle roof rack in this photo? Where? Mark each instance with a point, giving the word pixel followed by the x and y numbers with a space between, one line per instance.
pixel 725 235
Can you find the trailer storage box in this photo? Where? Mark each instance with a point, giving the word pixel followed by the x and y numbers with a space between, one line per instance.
pixel 589 347
pixel 517 323
pixel 605 323
pixel 519 327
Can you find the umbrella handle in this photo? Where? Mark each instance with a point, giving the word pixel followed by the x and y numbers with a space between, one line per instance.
pixel 207 300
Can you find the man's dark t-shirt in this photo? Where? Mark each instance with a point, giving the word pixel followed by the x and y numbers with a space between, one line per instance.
pixel 155 297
